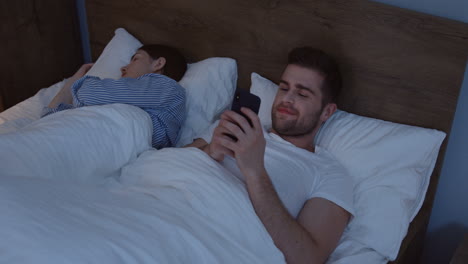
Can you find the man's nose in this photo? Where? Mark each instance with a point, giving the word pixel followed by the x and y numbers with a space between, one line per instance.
pixel 288 97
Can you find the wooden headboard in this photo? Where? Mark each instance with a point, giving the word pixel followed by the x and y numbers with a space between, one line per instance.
pixel 40 46
pixel 398 65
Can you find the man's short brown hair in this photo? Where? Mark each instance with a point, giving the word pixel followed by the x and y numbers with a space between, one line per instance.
pixel 323 63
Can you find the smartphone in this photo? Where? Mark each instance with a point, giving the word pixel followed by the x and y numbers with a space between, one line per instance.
pixel 243 98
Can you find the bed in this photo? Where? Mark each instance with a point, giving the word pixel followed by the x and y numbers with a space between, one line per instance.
pixel 399 66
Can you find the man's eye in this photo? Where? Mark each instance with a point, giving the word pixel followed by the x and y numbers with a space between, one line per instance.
pixel 303 95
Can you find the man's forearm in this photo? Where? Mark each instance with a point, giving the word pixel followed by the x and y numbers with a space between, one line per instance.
pixel 289 236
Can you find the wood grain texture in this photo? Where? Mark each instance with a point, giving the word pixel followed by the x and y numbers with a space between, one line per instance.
pixel 40 46
pixel 398 65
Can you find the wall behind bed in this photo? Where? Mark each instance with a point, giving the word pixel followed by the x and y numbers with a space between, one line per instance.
pixel 449 217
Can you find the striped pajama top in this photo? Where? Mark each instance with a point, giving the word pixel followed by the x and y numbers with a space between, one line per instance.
pixel 158 95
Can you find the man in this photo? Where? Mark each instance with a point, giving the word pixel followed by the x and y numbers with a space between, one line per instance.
pixel 149 81
pixel 300 193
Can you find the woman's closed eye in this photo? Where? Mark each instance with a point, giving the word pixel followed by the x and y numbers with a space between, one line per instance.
pixel 135 57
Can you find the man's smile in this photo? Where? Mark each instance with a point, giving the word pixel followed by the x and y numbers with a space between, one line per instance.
pixel 286 110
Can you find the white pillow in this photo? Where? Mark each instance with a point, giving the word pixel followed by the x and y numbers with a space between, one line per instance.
pixel 391 164
pixel 115 55
pixel 209 85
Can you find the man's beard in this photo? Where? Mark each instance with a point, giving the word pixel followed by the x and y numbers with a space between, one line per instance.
pixel 292 129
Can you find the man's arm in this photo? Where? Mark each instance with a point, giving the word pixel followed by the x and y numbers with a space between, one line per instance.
pixel 214 149
pixel 309 239
pixel 314 235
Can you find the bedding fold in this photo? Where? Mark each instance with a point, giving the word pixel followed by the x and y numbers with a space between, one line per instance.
pixel 87 144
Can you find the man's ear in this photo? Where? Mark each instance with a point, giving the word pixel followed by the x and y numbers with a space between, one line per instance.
pixel 328 111
pixel 158 65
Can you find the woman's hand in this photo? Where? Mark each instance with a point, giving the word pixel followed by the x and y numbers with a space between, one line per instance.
pixel 82 71
pixel 64 95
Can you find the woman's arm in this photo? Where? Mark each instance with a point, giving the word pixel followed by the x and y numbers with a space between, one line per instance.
pixel 64 96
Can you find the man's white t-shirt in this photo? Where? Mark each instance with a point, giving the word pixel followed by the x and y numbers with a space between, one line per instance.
pixel 299 175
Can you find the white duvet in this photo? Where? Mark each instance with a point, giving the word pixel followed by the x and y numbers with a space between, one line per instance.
pixel 84 186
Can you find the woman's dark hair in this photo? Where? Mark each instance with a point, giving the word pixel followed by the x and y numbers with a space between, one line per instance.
pixel 176 65
pixel 323 63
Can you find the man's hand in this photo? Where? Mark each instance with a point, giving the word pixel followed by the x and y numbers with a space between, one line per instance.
pixel 216 148
pixel 249 149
